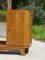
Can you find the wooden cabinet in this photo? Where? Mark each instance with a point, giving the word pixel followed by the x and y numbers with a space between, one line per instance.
pixel 18 31
pixel 19 28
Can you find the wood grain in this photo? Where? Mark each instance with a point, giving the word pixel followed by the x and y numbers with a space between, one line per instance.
pixel 19 28
pixel 18 31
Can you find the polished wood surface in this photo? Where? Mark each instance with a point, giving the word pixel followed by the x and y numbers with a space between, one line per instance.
pixel 19 27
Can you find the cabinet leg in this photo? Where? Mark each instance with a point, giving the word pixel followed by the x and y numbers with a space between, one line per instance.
pixel 24 51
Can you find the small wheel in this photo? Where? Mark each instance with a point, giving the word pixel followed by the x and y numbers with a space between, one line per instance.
pixel 24 51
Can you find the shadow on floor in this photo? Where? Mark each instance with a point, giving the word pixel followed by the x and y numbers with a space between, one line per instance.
pixel 14 52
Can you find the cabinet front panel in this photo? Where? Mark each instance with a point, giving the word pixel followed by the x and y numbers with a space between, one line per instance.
pixel 15 28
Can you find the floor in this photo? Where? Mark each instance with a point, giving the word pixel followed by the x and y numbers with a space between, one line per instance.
pixel 36 51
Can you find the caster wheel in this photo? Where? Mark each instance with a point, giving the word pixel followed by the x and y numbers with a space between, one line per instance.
pixel 24 51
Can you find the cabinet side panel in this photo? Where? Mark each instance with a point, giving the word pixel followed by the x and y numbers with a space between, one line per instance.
pixel 28 29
